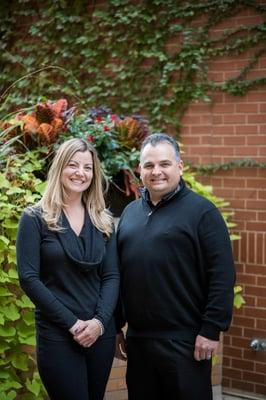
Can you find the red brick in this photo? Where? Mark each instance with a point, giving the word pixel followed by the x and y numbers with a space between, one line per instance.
pixel 256 269
pixel 242 385
pixel 233 373
pixel 256 226
pixel 262 194
pixel 236 119
pixel 263 105
pixel 234 183
pixel 247 108
pixel 251 355
pixel 260 368
pixel 244 278
pixel 235 140
pixel 250 333
pixel 256 140
pixel 244 215
pixel 260 389
pixel 225 130
pixel 261 281
pixel 233 352
pixel 257 119
pixel 253 377
pixel 261 324
pixel 191 119
pixel 256 204
pixel 235 331
pixel 256 96
pixel 223 108
pixel 246 193
pixel 246 129
pixel 259 254
pixel 255 291
pixel 199 130
pixel 243 321
pixel 226 361
pixel 262 152
pixel 243 364
pixel 255 312
pixel 261 302
pixel 249 152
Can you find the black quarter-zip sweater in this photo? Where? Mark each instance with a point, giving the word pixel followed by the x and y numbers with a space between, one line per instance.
pixel 177 269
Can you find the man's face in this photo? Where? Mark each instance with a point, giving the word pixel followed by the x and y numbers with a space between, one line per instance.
pixel 160 170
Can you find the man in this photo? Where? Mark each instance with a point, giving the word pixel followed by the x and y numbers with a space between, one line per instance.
pixel 177 276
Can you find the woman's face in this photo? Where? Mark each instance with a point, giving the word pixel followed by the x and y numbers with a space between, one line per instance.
pixel 77 175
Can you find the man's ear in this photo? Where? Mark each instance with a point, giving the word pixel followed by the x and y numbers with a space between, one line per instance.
pixel 181 167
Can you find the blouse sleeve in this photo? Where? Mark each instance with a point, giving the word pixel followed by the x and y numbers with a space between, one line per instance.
pixel 109 284
pixel 28 264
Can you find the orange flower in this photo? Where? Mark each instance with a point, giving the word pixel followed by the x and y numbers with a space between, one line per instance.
pixel 31 124
pixel 46 132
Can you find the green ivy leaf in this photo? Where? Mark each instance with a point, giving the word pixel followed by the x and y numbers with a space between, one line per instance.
pixel 11 312
pixel 33 386
pixel 7 331
pixel 20 361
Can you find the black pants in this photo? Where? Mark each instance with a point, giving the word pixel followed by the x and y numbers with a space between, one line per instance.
pixel 160 369
pixel 69 371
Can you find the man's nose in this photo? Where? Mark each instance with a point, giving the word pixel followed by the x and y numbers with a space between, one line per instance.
pixel 156 170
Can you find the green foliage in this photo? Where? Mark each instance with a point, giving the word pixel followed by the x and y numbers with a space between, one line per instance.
pixel 18 188
pixel 238 299
pixel 207 191
pixel 209 169
pixel 149 57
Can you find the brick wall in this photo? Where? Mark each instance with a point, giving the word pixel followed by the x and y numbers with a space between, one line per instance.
pixel 233 128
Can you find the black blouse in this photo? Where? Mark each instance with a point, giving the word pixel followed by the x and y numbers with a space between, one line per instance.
pixel 67 276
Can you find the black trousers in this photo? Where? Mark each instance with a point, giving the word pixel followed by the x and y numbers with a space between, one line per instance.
pixel 165 369
pixel 69 371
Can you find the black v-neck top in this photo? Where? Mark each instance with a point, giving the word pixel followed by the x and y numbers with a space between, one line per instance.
pixel 67 276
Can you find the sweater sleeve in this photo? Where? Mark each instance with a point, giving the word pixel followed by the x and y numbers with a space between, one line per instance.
pixel 109 283
pixel 28 263
pixel 219 264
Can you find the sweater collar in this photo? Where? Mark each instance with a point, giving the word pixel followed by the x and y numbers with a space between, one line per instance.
pixel 146 195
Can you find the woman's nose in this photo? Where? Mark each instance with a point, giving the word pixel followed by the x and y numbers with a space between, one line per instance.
pixel 79 171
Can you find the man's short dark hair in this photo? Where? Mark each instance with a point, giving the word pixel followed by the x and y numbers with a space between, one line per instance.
pixel 156 138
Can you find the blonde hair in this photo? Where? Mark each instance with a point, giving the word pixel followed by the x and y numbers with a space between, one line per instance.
pixel 52 201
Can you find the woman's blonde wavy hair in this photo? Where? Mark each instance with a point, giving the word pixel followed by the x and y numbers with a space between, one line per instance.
pixel 52 201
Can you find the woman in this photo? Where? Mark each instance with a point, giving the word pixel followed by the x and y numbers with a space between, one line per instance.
pixel 67 265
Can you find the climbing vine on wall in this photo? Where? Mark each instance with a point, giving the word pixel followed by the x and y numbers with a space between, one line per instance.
pixel 148 57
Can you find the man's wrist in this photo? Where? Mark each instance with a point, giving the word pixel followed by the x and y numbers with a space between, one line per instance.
pixel 100 324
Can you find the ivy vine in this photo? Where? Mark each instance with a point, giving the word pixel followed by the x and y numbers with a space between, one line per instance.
pixel 148 57
pixel 209 169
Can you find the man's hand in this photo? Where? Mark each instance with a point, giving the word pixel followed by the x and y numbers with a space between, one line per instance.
pixel 78 327
pixel 120 350
pixel 205 348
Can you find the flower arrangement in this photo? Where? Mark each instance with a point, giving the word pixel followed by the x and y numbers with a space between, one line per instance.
pixel 116 138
